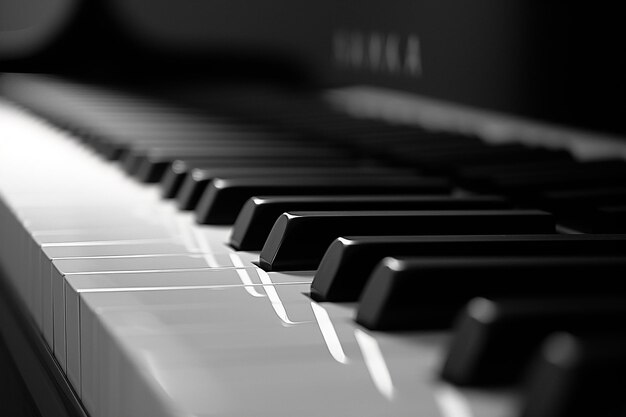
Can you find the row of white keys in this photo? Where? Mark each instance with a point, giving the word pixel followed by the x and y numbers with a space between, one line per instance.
pixel 70 213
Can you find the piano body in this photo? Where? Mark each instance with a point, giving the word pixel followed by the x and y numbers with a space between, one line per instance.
pixel 238 208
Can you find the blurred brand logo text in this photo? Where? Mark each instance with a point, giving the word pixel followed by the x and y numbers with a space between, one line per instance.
pixel 379 52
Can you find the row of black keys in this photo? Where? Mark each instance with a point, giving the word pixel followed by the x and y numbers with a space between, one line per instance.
pixel 306 138
pixel 468 246
pixel 587 196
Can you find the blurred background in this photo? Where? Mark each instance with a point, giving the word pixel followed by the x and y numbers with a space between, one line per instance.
pixel 547 61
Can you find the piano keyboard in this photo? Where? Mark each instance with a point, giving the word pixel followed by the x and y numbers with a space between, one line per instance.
pixel 307 263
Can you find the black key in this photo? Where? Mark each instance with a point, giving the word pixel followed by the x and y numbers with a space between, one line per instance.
pixel 532 157
pixel 349 261
pixel 122 149
pixel 560 161
pixel 177 171
pixel 589 210
pixel 115 146
pixel 223 199
pixel 181 133
pixel 416 154
pixel 195 185
pixel 560 165
pixel 412 140
pixel 494 340
pixel 135 159
pixel 170 141
pixel 578 376
pixel 531 183
pixel 446 159
pixel 579 176
pixel 131 151
pixel 564 200
pixel 421 293
pixel 175 175
pixel 151 167
pixel 431 145
pixel 610 219
pixel 298 240
pixel 259 214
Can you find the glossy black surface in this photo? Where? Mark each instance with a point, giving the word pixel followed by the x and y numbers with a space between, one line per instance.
pixel 298 240
pixel 578 375
pixel 349 261
pixel 224 198
pixel 494 340
pixel 428 292
pixel 259 214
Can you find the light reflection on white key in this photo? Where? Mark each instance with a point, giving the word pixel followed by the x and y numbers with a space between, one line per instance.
pixel 277 304
pixel 108 242
pixel 328 332
pixel 451 402
pixel 244 276
pixel 375 363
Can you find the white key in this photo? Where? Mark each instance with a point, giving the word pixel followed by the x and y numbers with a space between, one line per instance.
pixel 77 284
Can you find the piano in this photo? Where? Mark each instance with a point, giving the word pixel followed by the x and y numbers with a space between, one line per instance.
pixel 333 208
